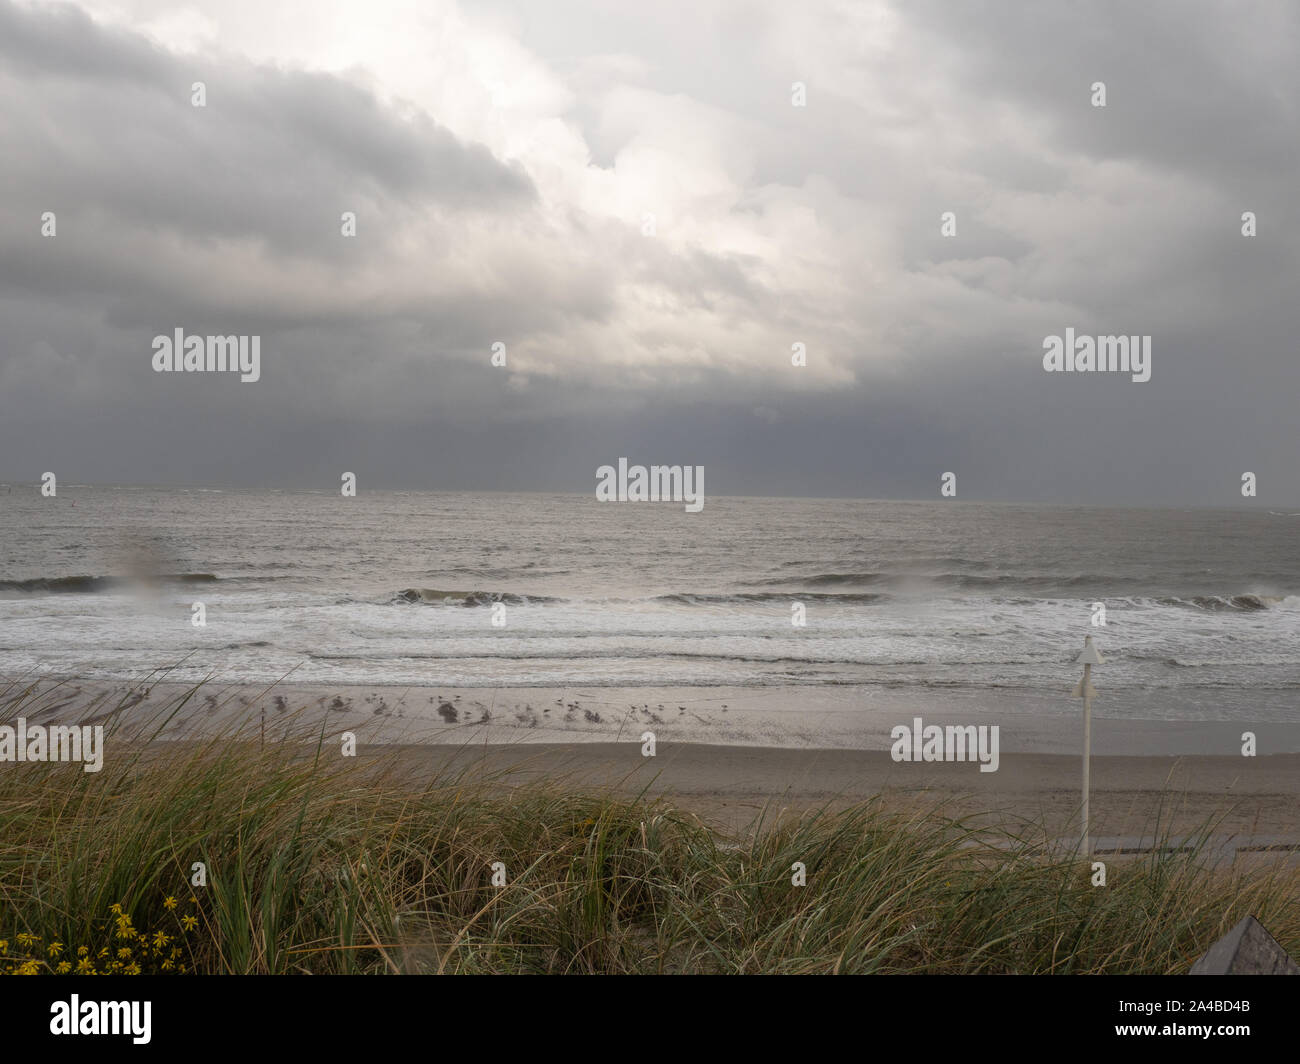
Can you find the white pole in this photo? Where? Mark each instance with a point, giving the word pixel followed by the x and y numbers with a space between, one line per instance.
pixel 1087 751
pixel 1087 659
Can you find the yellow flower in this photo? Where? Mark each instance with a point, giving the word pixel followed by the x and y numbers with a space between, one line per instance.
pixel 116 910
pixel 64 968
pixel 167 966
pixel 132 969
pixel 83 951
pixel 55 948
pixel 84 967
pixel 25 939
pixel 28 968
pixel 124 953
pixel 4 945
pixel 161 939
pixel 170 903
pixel 189 922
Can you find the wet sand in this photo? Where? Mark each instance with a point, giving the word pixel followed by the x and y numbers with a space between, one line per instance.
pixel 730 754
pixel 792 717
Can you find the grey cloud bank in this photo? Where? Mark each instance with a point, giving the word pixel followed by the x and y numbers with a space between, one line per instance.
pixel 501 168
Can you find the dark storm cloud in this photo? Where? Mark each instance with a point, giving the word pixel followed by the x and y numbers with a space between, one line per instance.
pixel 1195 87
pixel 103 122
pixel 775 224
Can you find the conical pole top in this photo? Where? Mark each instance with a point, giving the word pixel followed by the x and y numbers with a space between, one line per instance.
pixel 1090 655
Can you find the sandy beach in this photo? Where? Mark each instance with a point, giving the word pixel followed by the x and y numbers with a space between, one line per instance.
pixel 732 785
pixel 729 754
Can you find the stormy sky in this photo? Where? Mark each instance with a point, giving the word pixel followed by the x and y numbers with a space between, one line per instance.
pixel 627 197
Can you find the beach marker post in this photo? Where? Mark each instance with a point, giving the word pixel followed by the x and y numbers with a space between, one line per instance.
pixel 1084 689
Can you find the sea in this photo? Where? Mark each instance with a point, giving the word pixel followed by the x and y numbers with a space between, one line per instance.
pixel 1196 612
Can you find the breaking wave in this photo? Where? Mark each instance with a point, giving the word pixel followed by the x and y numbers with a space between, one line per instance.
pixel 84 585
pixel 1218 603
pixel 430 596
pixel 685 599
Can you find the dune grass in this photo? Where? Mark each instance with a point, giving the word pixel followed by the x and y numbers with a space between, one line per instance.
pixel 317 863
